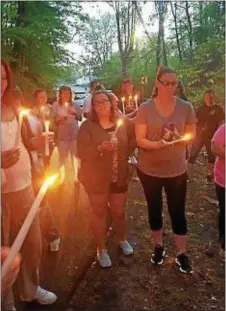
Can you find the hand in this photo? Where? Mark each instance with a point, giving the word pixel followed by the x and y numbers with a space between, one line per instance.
pixel 106 146
pixel 10 277
pixel 161 144
pixel 10 157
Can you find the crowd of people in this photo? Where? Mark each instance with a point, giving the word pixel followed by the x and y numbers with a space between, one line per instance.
pixel 114 129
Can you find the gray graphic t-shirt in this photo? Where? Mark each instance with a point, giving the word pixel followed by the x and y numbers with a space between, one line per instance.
pixel 169 161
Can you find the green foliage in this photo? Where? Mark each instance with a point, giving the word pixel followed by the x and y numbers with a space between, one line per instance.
pixel 34 35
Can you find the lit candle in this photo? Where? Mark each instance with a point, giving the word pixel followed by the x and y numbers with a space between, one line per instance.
pixel 123 105
pixel 18 242
pixel 22 113
pixel 119 123
pixel 46 138
pixel 186 137
pixel 135 98
pixel 130 98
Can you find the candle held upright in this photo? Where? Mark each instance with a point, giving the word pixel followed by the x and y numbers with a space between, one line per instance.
pixel 23 112
pixel 47 138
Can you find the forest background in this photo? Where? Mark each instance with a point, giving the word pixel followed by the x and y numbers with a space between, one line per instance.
pixel 115 43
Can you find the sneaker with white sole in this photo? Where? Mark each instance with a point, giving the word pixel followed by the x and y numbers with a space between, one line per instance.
pixel 104 259
pixel 183 263
pixel 44 297
pixel 158 255
pixel 55 245
pixel 126 248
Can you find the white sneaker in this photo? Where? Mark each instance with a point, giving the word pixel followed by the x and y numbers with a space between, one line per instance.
pixel 104 259
pixel 55 245
pixel 126 248
pixel 45 297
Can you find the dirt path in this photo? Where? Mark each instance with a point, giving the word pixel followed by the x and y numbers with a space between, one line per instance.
pixel 134 284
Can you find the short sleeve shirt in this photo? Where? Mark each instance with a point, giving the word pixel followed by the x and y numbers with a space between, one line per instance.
pixel 169 161
pixel 68 129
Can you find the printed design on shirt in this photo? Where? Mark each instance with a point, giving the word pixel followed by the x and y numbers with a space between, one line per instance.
pixel 212 112
pixel 170 132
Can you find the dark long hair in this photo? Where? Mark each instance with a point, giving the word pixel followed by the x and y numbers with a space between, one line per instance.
pixel 160 72
pixel 65 88
pixel 7 98
pixel 113 115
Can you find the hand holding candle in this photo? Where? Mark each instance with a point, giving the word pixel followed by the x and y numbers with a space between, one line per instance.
pixel 184 138
pixel 46 138
pixel 18 242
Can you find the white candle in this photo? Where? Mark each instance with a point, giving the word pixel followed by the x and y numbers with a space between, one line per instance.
pixel 135 98
pixel 186 137
pixel 18 242
pixel 46 138
pixel 123 105
pixel 114 134
pixel 22 113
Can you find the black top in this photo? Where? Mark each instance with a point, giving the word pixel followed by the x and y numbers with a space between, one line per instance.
pixel 209 119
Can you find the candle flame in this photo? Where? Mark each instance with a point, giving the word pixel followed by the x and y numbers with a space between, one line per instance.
pixel 66 105
pixel 49 181
pixel 123 99
pixel 136 97
pixel 24 112
pixel 187 137
pixel 119 123
pixel 130 97
pixel 47 122
pixel 42 108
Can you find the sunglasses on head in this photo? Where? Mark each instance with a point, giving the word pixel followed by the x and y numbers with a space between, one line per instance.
pixel 167 83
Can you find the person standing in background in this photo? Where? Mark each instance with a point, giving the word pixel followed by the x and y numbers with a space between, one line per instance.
pixel 209 117
pixel 87 104
pixel 40 113
pixel 66 115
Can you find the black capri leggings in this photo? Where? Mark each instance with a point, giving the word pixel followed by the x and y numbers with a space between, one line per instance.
pixel 175 189
pixel 221 220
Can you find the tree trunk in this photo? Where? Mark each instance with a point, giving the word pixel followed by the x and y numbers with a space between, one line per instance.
pixel 18 49
pixel 190 32
pixel 176 29
pixel 158 48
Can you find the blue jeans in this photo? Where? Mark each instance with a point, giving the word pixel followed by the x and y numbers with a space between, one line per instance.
pixel 66 148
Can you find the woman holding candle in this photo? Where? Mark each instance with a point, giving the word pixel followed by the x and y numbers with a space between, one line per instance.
pixel 103 149
pixel 66 114
pixel 18 196
pixel 162 165
pixel 38 118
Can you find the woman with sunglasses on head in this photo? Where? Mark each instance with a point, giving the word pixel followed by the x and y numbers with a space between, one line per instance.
pixel 104 171
pixel 162 164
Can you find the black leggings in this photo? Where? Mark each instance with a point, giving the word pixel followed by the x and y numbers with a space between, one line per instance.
pixel 221 220
pixel 175 189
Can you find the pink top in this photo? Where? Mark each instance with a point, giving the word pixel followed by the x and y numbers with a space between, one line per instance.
pixel 219 167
